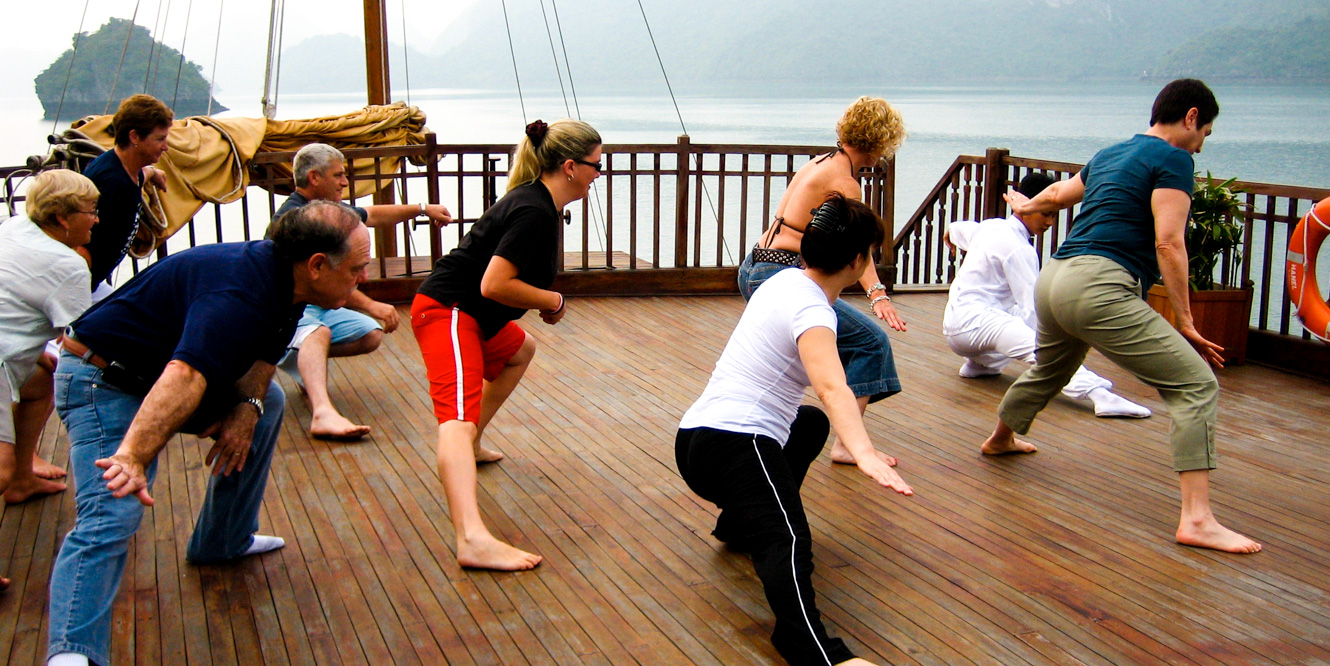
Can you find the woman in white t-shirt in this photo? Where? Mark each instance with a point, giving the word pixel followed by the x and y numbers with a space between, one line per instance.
pixel 746 444
pixel 43 287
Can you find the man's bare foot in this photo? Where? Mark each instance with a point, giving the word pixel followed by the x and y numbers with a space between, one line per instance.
pixel 22 490
pixel 484 455
pixel 997 446
pixel 45 469
pixel 1216 537
pixel 486 552
pixel 336 426
pixel 842 455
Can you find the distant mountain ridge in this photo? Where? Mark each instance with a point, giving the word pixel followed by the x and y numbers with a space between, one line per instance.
pixel 847 41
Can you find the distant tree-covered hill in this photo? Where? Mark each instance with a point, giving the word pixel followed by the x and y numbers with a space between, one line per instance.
pixel 97 81
pixel 1295 50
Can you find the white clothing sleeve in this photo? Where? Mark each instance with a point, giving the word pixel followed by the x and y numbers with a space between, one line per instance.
pixel 961 233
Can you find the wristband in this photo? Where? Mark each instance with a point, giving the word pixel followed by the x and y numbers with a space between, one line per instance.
pixel 258 404
pixel 877 287
pixel 873 303
pixel 422 210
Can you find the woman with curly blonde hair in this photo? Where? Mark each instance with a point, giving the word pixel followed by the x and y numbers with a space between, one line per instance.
pixel 870 130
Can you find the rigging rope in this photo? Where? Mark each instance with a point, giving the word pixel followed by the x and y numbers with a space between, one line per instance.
pixel 504 4
pixel 564 45
pixel 59 107
pixel 157 63
pixel 406 60
pixel 129 33
pixel 152 48
pixel 213 81
pixel 189 9
pixel 597 212
pixel 566 109
pixel 701 181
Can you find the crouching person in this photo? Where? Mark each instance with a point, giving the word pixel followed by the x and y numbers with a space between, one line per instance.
pixel 189 345
pixel 746 444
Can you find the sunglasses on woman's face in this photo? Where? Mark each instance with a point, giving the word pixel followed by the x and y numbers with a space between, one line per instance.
pixel 594 165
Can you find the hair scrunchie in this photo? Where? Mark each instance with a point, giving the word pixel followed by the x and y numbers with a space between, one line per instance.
pixel 536 131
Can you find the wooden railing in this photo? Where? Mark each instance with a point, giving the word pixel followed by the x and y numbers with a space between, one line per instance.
pixel 662 219
pixel 972 189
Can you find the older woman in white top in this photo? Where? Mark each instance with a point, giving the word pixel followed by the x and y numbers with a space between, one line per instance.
pixel 43 287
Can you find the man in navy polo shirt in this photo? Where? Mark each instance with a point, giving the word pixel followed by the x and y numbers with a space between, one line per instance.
pixel 188 345
pixel 1129 233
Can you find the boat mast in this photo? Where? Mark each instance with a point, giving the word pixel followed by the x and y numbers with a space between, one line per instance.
pixel 272 68
pixel 376 51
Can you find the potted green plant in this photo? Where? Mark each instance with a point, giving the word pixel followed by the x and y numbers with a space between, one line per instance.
pixel 1220 306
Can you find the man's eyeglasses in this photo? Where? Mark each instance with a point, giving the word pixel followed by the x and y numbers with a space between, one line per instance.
pixel 93 212
pixel 594 165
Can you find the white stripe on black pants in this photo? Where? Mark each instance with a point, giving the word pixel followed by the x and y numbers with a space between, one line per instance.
pixel 756 485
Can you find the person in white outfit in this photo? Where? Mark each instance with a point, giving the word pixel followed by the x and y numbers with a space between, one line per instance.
pixel 990 317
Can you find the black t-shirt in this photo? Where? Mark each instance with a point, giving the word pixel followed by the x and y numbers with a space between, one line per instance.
pixel 118 209
pixel 522 227
pixel 218 308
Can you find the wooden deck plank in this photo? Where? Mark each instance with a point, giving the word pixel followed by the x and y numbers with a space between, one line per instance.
pixel 1063 557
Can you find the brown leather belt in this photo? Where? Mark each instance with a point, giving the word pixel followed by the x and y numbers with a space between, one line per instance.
pixel 81 350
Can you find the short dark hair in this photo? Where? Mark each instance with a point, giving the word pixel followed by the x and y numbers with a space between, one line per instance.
pixel 1035 182
pixel 317 227
pixel 1181 96
pixel 141 113
pixel 842 231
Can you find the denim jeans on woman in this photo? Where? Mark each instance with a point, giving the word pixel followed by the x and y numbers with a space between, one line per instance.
pixel 92 559
pixel 865 350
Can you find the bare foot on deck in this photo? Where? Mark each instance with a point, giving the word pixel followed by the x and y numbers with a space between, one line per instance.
pixel 22 490
pixel 999 446
pixel 856 662
pixel 841 455
pixel 332 425
pixel 1216 537
pixel 484 455
pixel 4 583
pixel 45 469
pixel 486 552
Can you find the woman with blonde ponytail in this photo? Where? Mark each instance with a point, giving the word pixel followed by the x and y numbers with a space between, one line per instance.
pixel 463 316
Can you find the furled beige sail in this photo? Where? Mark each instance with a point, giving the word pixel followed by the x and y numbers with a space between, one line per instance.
pixel 207 159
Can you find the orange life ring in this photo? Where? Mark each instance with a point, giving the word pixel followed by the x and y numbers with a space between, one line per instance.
pixel 1300 270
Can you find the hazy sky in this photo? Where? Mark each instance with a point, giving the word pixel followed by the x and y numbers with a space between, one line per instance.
pixel 37 31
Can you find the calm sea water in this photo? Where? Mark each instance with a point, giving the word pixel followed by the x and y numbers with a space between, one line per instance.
pixel 1276 134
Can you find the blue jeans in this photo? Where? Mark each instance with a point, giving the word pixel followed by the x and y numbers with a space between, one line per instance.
pixel 92 558
pixel 865 350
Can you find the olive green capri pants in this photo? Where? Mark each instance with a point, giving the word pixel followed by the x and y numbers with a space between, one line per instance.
pixel 1092 301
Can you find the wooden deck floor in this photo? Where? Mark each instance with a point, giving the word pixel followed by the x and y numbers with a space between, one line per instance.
pixel 1063 557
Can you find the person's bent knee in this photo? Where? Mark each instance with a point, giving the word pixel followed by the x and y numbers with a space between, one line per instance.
pixel 371 341
pixel 524 353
